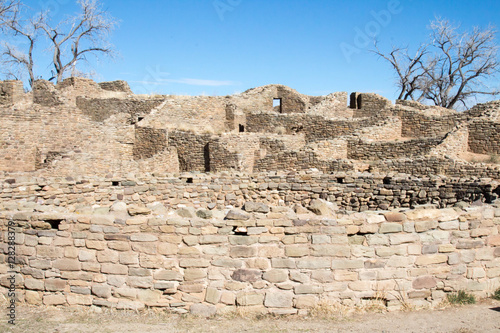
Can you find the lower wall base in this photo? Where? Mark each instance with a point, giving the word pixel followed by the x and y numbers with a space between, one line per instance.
pixel 266 259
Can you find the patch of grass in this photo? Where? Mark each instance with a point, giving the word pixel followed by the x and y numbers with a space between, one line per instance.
pixel 461 297
pixel 496 295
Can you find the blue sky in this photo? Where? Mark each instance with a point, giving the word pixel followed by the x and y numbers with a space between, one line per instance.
pixel 220 47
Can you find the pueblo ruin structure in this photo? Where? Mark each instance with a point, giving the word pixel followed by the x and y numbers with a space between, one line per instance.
pixel 269 199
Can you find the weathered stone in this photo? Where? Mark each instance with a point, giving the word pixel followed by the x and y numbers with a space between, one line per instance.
pixel 246 275
pixel 278 299
pixel 102 291
pixel 424 282
pixel 137 210
pixel 248 299
pixel 276 275
pixel 390 227
pixel 237 215
pixel 213 296
pixel 256 207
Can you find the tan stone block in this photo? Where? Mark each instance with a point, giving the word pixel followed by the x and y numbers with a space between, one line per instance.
pixel 258 263
pixel 94 244
pixel 431 259
pixel 345 275
pixel 43 251
pixel 33 297
pixel 330 250
pixel 108 256
pixel 55 285
pixel 67 264
pixel 148 296
pixel 424 282
pixel 119 245
pixel 446 248
pixel 54 299
pixel 192 274
pixel 213 296
pixel 390 227
pixel 347 264
pixel 228 298
pixel 71 252
pixel 150 261
pixel 148 248
pixel 193 262
pixel 168 249
pixel 117 269
pixel 360 285
pixel 62 241
pixel 75 299
pixel 248 299
pixel 271 251
pixel 423 214
pixel 276 275
pixel 305 301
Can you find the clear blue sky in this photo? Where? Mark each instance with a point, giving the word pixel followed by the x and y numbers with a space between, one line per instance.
pixel 219 47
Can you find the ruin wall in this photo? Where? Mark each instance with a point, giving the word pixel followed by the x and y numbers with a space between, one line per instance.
pixel 263 259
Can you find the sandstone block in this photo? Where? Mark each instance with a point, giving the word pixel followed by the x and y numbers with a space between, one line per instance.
pixel 390 227
pixel 55 285
pixel 276 275
pixel 424 282
pixel 213 296
pixel 54 299
pixel 117 269
pixel 248 299
pixel 432 259
pixel 256 207
pixel 246 275
pixel 295 251
pixel 242 251
pixel 168 275
pixel 279 299
pixel 143 238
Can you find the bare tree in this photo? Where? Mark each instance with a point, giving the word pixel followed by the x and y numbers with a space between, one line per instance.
pixel 87 34
pixel 16 61
pixel 453 68
pixel 71 41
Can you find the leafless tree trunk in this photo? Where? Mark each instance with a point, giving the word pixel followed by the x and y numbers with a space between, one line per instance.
pixel 454 72
pixel 87 34
pixel 14 60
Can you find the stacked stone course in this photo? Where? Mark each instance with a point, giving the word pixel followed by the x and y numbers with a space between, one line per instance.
pixel 269 259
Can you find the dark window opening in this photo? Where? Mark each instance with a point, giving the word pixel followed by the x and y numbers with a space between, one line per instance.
pixel 340 180
pixel 359 104
pixel 277 104
pixel 139 118
pixel 241 128
pixel 115 183
pixel 54 224
pixel 189 180
pixel 240 231
pixel 387 180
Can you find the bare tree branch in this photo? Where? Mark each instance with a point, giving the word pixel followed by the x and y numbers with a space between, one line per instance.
pixel 453 71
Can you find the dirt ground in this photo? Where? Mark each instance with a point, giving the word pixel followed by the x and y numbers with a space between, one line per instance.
pixel 482 317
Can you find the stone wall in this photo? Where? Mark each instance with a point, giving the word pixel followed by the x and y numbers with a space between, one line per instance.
pixel 368 104
pixel 484 137
pixel 118 85
pixel 362 150
pixel 100 109
pixel 263 259
pixel 314 127
pixel 349 190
